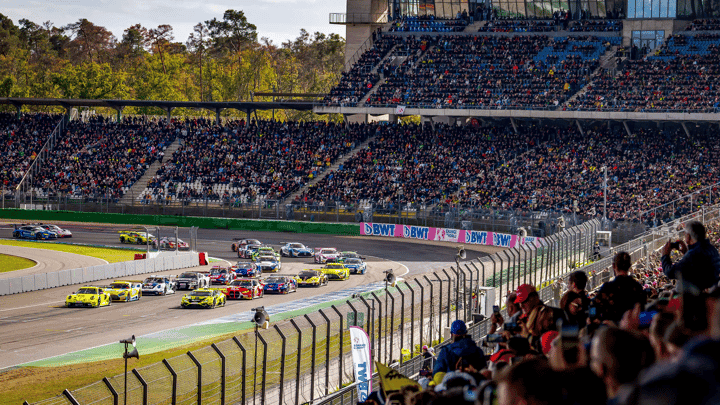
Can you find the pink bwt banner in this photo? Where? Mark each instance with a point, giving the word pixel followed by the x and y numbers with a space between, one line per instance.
pixel 446 235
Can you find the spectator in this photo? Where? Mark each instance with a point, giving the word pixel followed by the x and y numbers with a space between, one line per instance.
pixel 428 354
pixel 659 326
pixel 530 382
pixel 535 319
pixel 577 282
pixel 497 322
pixel 462 351
pixel 572 305
pixel 617 357
pixel 700 265
pixel 620 294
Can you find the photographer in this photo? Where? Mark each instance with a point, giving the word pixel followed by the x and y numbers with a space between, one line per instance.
pixel 700 264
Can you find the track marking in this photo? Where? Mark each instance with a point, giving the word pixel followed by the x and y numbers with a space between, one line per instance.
pixel 30 306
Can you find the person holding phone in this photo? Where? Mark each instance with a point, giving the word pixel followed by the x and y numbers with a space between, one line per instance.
pixel 700 264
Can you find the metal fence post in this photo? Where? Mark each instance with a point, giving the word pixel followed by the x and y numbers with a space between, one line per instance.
pixel 457 290
pixel 439 307
pixel 502 265
pixel 144 385
pixel 327 352
pixel 355 313
pixel 244 367
pixel 174 381
pixel 312 361
pixel 402 321
pixel 116 396
pixel 380 331
pixel 264 368
pixel 70 397
pixel 422 310
pixel 297 372
pixel 447 321
pixel 199 377
pixel 370 328
pixel 342 335
pixel 412 316
pixel 282 363
pixel 391 331
pixel 223 374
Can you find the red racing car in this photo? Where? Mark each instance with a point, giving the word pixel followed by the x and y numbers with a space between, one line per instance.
pixel 245 289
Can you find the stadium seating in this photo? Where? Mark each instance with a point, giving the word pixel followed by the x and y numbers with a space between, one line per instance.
pixel 428 24
pixel 704 25
pixel 519 26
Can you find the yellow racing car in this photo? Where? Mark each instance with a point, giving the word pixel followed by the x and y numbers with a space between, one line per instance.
pixel 311 278
pixel 135 237
pixel 88 296
pixel 123 290
pixel 336 271
pixel 204 298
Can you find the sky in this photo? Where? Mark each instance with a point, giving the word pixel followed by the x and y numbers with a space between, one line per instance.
pixel 278 20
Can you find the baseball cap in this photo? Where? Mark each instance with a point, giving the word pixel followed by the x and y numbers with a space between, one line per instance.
pixel 523 292
pixel 424 347
pixel 458 328
pixel 547 339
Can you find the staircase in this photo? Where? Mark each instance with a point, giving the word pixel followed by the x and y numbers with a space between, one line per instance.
pixel 475 26
pixel 141 184
pixel 334 167
pixel 607 61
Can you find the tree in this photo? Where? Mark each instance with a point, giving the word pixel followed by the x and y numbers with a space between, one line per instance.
pixel 90 42
pixel 197 44
pixel 90 80
pixel 158 40
pixel 232 36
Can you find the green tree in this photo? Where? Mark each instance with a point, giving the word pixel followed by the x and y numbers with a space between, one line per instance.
pixel 232 36
pixel 90 80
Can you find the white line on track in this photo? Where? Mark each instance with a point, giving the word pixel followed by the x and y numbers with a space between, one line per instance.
pixel 30 306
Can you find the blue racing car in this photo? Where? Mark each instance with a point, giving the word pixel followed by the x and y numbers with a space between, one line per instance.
pixel 33 232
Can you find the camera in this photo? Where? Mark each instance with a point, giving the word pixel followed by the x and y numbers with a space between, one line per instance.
pixel 511 327
pixel 675 245
pixel 496 338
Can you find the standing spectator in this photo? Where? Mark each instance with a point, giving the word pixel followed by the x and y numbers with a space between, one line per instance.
pixel 530 382
pixel 577 282
pixel 620 294
pixel 497 322
pixel 572 305
pixel 428 354
pixel 530 323
pixel 462 350
pixel 700 264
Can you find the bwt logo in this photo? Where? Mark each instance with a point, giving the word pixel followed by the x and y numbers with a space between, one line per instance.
pixel 477 238
pixel 380 229
pixel 415 232
pixel 363 384
pixel 500 239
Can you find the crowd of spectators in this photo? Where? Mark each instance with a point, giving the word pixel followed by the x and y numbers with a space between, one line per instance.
pixel 513 25
pixel 20 141
pixel 597 26
pixel 103 158
pixel 683 75
pixel 704 25
pixel 245 162
pixel 647 336
pixel 429 23
pixel 463 71
pixel 547 168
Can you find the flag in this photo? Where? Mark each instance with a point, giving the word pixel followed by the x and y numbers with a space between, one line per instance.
pixel 392 380
pixel 362 359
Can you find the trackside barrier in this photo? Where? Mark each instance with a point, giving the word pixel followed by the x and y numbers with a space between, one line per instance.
pixel 91 274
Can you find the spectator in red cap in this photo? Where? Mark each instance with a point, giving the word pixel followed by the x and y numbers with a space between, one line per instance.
pixel 531 305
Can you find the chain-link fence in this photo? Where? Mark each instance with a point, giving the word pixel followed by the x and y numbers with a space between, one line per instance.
pixel 307 358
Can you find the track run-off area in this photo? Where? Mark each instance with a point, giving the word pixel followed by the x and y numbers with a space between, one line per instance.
pixel 37 330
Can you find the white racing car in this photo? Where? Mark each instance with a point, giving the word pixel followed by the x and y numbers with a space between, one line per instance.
pixel 324 255
pixel 158 285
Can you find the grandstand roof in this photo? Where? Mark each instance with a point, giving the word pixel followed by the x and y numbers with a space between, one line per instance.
pixel 119 104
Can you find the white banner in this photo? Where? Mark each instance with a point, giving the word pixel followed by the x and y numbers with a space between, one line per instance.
pixel 400 110
pixel 362 358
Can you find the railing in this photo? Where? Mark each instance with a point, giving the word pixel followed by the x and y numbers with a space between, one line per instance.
pixel 687 201
pixel 39 158
pixel 359 18
pixel 367 44
pixel 306 358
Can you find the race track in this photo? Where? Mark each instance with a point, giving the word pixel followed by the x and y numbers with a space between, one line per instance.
pixel 36 326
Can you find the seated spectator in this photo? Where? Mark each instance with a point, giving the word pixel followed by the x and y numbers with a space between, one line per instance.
pixel 700 264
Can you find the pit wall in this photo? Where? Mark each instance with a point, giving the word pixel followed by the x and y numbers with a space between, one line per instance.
pixel 91 274
pixel 181 221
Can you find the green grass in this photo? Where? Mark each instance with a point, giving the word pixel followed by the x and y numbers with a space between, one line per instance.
pixel 12 263
pixel 109 254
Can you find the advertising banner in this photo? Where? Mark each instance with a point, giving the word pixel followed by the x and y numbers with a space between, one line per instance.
pixel 362 359
pixel 447 235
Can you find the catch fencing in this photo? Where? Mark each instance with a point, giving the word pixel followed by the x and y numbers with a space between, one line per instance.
pixel 90 274
pixel 307 359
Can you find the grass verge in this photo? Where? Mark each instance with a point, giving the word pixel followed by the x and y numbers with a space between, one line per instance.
pixel 111 255
pixel 12 263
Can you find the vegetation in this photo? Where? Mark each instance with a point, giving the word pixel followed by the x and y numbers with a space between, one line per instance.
pixel 108 254
pixel 12 263
pixel 222 60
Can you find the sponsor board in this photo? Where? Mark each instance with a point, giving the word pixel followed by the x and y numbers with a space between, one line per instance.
pixel 362 359
pixel 447 235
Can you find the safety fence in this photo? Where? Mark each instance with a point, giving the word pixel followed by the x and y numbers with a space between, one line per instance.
pixel 307 358
pixel 61 278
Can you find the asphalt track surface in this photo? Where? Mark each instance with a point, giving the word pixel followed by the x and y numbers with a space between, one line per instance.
pixel 47 260
pixel 36 325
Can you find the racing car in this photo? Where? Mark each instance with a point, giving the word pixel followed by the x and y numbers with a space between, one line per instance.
pixel 247 269
pixel 191 280
pixel 264 251
pixel 336 271
pixel 169 243
pixel 134 237
pixel 221 275
pixel 268 263
pixel 312 278
pixel 293 249
pixel 158 285
pixel 60 232
pixel 247 251
pixel 33 232
pixel 123 290
pixel 204 298
pixel 280 284
pixel 245 288
pixel 355 264
pixel 348 255
pixel 88 296
pixel 324 255
pixel 241 243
